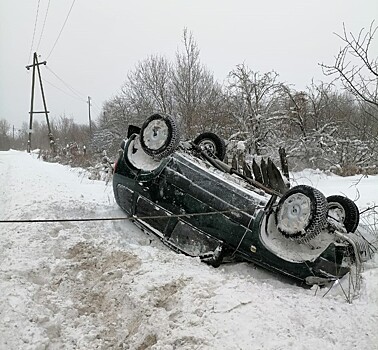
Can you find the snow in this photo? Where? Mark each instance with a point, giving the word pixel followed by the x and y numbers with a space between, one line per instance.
pixel 289 249
pixel 107 285
pixel 360 188
pixel 240 146
pixel 138 158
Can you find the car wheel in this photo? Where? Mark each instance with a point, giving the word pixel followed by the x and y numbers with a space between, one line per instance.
pixel 302 213
pixel 344 209
pixel 159 135
pixel 211 144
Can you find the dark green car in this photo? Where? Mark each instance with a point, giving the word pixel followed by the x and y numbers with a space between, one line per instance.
pixel 198 205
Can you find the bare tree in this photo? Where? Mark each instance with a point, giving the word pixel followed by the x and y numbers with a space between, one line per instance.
pixel 116 115
pixel 4 137
pixel 355 68
pixel 193 85
pixel 319 126
pixel 148 87
pixel 297 109
pixel 66 131
pixel 320 130
pixel 4 127
pixel 252 96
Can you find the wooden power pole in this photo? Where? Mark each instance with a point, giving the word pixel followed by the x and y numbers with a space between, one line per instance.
pixel 35 67
pixel 89 116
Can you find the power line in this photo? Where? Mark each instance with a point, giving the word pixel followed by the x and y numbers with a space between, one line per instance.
pixel 72 96
pixel 77 94
pixel 95 105
pixel 127 218
pixel 98 110
pixel 44 23
pixel 61 30
pixel 74 91
pixel 35 27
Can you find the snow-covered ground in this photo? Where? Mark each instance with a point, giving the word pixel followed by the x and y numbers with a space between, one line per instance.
pixel 107 285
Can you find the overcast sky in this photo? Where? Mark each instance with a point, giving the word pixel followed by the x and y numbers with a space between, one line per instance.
pixel 103 40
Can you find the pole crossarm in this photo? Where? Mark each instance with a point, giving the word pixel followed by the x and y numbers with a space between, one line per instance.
pixel 37 64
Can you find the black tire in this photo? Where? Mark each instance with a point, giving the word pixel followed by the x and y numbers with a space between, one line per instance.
pixel 302 213
pixel 159 135
pixel 211 144
pixel 348 210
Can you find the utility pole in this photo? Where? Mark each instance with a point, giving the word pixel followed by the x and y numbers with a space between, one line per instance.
pixel 35 67
pixel 89 115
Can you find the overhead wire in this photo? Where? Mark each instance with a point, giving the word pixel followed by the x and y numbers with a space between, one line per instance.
pixel 96 106
pixel 43 26
pixel 72 96
pixel 127 218
pixel 74 91
pixel 61 30
pixel 76 94
pixel 35 27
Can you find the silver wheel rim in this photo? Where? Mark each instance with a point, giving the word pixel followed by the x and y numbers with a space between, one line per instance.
pixel 294 214
pixel 208 146
pixel 156 134
pixel 336 211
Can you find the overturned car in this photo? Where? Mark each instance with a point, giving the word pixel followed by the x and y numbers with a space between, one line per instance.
pixel 200 206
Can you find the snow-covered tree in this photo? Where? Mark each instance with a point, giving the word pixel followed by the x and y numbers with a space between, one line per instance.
pixel 252 97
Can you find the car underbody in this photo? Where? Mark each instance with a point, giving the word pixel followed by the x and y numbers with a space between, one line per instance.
pixel 200 206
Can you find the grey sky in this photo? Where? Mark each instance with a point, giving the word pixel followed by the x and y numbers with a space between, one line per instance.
pixel 103 40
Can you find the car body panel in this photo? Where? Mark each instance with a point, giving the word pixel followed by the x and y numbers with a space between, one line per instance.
pixel 197 210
